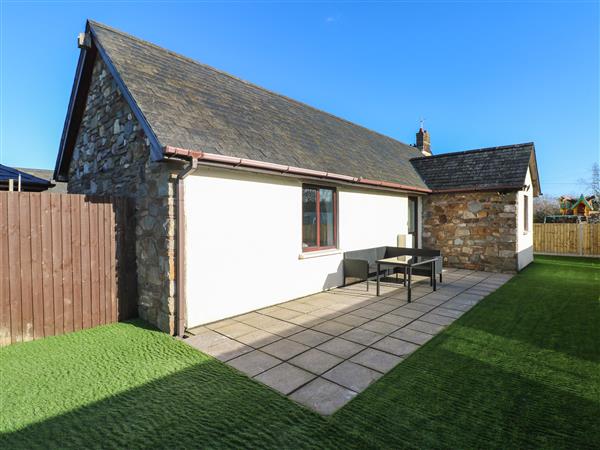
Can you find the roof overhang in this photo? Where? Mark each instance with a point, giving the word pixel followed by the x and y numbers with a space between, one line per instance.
pixel 78 99
pixel 533 170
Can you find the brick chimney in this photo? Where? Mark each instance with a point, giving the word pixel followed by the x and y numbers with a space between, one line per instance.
pixel 423 143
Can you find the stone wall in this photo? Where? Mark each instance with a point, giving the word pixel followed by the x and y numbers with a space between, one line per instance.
pixel 474 230
pixel 112 157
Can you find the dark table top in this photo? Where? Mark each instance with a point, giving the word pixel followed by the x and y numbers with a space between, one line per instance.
pixel 407 260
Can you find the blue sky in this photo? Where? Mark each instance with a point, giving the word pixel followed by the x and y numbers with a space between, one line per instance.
pixel 480 73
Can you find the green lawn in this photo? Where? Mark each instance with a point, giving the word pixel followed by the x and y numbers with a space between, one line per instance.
pixel 520 370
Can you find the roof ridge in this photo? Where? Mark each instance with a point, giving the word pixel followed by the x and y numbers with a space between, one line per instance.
pixel 290 99
pixel 476 150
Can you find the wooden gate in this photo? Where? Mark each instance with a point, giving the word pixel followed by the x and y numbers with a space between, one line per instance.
pixel 578 239
pixel 67 262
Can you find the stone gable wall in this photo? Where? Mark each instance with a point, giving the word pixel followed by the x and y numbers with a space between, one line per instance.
pixel 112 157
pixel 474 230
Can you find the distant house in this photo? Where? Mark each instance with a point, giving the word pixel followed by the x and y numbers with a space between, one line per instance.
pixel 46 174
pixel 582 206
pixel 245 198
pixel 22 180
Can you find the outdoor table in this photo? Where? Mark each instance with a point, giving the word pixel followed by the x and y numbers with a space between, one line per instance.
pixel 407 262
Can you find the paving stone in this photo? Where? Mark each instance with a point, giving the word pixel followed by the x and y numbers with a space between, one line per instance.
pixel 197 330
pixel 367 313
pixel 352 376
pixel 349 319
pixel 251 315
pixel 379 327
pixel 206 340
pixel 395 346
pixel 254 362
pixel 220 324
pixel 315 361
pixel 280 313
pixel 284 349
pixel 325 313
pixel 306 320
pixel 437 319
pixel 406 312
pixel 301 307
pixel 376 360
pixel 414 336
pixel 285 378
pixel 448 312
pixel 395 319
pixel 331 327
pixel 236 329
pixel 311 338
pixel 423 307
pixel 323 396
pixel 383 307
pixel 341 347
pixel 458 306
pixel 281 328
pixel 425 327
pixel 227 350
pixel 258 338
pixel 217 345
pixel 361 336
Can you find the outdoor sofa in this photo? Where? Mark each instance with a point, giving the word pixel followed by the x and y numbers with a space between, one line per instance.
pixel 362 264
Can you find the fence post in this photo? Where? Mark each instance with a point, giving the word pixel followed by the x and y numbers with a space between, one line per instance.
pixel 580 238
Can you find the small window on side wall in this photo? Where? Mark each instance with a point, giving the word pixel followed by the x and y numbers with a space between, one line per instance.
pixel 319 218
pixel 525 213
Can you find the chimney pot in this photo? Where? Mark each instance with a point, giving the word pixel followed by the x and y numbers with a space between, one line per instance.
pixel 423 142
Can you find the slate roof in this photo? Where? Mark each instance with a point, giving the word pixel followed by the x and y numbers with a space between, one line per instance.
pixel 28 182
pixel 196 107
pixel 46 174
pixel 481 169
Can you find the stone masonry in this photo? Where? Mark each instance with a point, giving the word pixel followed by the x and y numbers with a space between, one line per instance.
pixel 112 157
pixel 473 230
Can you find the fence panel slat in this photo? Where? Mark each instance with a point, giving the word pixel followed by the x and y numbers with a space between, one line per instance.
pixel 76 259
pixel 47 271
pixel 101 291
pixel 5 330
pixel 57 263
pixel 14 268
pixel 574 239
pixel 95 287
pixel 67 267
pixel 24 237
pixel 37 277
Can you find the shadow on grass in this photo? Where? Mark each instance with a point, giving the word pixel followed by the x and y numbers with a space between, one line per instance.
pixel 553 304
pixel 204 405
pixel 439 398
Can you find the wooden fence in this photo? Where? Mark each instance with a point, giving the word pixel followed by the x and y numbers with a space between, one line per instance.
pixel 67 262
pixel 579 239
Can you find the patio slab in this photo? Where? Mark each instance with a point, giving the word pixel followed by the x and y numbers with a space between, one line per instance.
pixel 322 350
pixel 316 361
pixel 285 378
pixel 352 376
pixel 323 396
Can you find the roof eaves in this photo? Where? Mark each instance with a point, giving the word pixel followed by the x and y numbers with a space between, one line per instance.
pixel 234 162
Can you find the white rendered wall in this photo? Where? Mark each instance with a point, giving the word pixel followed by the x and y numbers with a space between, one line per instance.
pixel 244 240
pixel 525 238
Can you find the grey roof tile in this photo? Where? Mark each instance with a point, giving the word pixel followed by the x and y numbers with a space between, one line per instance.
pixel 476 169
pixel 193 106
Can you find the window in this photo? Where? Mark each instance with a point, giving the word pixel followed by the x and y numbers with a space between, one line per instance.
pixel 319 218
pixel 526 213
pixel 413 220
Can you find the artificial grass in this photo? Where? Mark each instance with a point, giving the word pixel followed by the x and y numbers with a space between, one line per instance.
pixel 520 370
